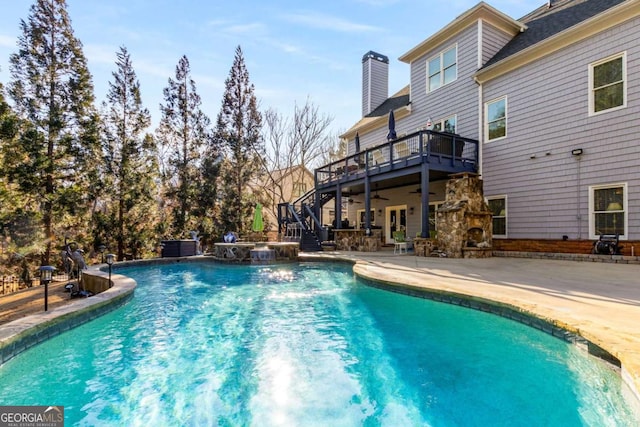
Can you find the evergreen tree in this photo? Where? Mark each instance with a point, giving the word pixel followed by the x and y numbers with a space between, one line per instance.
pixel 53 157
pixel 130 162
pixel 238 132
pixel 19 218
pixel 183 134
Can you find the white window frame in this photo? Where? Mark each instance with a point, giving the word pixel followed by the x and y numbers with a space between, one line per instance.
pixel 442 121
pixel 592 107
pixel 625 210
pixel 440 56
pixel 360 212
pixel 486 118
pixel 506 214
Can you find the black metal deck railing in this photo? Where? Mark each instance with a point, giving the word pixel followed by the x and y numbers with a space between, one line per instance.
pixel 443 151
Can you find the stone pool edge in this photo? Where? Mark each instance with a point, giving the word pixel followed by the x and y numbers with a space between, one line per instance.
pixel 565 330
pixel 22 334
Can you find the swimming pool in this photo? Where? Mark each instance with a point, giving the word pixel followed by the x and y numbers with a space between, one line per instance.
pixel 293 345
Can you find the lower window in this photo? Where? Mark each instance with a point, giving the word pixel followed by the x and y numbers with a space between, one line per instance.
pixel 498 207
pixel 608 210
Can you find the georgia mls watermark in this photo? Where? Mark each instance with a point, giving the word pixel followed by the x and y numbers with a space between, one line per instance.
pixel 31 416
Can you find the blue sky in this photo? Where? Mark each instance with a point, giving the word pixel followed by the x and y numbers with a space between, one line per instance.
pixel 293 50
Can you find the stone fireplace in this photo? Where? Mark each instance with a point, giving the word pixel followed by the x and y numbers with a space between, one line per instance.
pixel 463 221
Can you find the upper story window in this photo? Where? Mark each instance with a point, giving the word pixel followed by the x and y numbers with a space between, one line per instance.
pixel 608 210
pixel 445 125
pixel 498 207
pixel 496 119
pixel 442 68
pixel 607 84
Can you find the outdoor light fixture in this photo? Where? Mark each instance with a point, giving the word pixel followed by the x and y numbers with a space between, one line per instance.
pixel 576 151
pixel 411 210
pixel 110 260
pixel 46 274
pixel 102 248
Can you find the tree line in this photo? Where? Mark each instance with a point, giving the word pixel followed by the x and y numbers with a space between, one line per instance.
pixel 71 170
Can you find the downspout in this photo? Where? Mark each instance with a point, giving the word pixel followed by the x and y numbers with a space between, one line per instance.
pixel 480 105
pixel 480 128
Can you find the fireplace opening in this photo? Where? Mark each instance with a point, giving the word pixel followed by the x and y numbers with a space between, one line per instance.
pixel 475 235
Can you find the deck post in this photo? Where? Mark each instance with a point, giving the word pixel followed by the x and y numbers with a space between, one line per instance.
pixel 338 207
pixel 367 203
pixel 424 185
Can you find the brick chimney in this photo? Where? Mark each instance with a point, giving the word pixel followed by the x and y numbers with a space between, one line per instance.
pixel 375 81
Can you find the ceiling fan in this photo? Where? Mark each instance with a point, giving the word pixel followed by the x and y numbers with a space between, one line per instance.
pixel 419 191
pixel 351 201
pixel 378 197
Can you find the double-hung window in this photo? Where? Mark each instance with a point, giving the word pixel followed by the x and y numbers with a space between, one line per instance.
pixel 607 88
pixel 496 118
pixel 498 207
pixel 608 210
pixel 442 69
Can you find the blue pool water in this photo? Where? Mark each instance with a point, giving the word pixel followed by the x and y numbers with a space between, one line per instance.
pixel 308 345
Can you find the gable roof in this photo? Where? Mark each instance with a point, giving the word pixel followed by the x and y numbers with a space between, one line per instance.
pixel 480 11
pixel 543 26
pixel 549 31
pixel 399 103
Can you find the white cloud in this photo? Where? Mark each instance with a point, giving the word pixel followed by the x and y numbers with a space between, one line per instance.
pixel 328 22
pixel 7 41
pixel 251 29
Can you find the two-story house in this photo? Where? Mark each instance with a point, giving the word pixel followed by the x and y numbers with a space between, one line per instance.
pixel 543 107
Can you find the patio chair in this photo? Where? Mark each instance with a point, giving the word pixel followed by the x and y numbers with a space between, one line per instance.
pixel 399 242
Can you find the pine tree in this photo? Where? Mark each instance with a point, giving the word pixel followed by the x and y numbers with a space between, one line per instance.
pixel 130 161
pixel 238 132
pixel 52 90
pixel 183 133
pixel 19 219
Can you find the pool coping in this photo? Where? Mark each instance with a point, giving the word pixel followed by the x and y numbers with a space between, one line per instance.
pixel 375 275
pixel 21 334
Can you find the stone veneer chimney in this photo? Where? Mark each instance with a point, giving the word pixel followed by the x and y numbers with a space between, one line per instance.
pixel 375 81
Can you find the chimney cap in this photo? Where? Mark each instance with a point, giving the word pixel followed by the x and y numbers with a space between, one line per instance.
pixel 375 55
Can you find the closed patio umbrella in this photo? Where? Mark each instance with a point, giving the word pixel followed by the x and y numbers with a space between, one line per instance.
pixel 258 224
pixel 392 127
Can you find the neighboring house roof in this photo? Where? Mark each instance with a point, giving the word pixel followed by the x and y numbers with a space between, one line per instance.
pixel 546 22
pixel 551 31
pixel 280 174
pixel 399 103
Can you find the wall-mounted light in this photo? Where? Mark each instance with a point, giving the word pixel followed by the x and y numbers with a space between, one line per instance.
pixel 411 210
pixel 379 211
pixel 576 152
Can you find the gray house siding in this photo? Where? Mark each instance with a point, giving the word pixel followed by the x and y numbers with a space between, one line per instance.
pixel 455 98
pixel 547 188
pixel 492 41
pixel 375 84
pixel 458 98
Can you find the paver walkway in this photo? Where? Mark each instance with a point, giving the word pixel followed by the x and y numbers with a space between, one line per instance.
pixel 30 301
